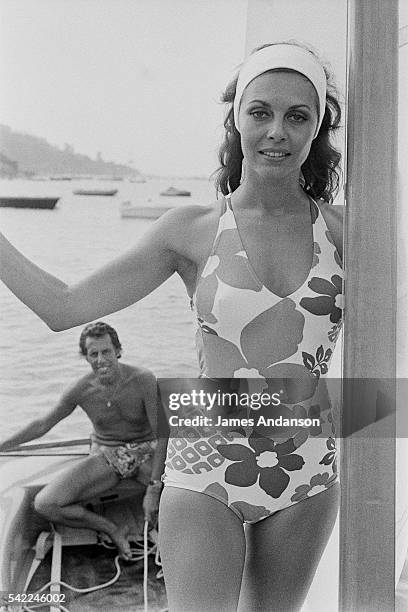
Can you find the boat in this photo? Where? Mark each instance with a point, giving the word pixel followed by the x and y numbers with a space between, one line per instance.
pixel 28 202
pixel 137 179
pixel 110 178
pixel 95 192
pixel 148 211
pixel 34 552
pixel 173 191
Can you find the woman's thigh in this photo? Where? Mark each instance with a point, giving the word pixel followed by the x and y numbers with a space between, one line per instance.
pixel 283 552
pixel 202 546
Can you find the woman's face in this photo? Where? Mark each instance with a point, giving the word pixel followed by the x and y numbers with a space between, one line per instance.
pixel 278 118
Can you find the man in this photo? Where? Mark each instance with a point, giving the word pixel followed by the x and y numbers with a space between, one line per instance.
pixel 123 405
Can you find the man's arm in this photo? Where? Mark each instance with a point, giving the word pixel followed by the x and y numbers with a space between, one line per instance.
pixel 39 427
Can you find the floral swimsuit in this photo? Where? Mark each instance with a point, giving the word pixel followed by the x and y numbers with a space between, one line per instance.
pixel 124 459
pixel 246 331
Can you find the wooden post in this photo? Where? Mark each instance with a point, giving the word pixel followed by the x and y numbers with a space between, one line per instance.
pixel 368 453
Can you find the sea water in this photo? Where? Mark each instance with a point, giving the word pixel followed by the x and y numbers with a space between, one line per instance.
pixel 81 234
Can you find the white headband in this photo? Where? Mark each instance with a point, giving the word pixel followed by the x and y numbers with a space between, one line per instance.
pixel 283 55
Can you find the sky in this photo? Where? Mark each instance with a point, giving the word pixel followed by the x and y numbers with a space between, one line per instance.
pixel 136 80
pixel 140 80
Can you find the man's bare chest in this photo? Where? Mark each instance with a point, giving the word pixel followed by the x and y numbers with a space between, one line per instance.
pixel 113 406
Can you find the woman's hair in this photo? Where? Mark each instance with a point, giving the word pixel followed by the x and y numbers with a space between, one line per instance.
pixel 321 169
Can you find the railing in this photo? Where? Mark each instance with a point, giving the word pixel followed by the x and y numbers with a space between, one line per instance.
pixel 30 449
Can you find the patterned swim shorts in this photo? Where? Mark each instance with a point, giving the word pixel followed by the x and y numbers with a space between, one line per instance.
pixel 125 459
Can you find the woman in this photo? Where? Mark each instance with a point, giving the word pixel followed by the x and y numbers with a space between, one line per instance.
pixel 263 273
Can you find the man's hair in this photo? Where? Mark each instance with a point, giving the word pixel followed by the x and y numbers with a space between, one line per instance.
pixel 98 330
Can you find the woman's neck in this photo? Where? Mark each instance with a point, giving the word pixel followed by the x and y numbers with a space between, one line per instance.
pixel 273 197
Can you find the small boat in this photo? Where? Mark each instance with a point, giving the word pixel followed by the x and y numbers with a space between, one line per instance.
pixel 137 179
pixel 127 209
pixel 96 192
pixel 173 191
pixel 28 202
pixel 34 552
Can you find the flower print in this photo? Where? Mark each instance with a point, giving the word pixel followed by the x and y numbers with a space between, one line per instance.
pixel 339 301
pixel 125 460
pixel 287 417
pixel 230 266
pixel 271 337
pixel 318 483
pixel 249 373
pixel 316 252
pixel 218 491
pixel 334 332
pixel 336 253
pixel 297 383
pixel 205 296
pixel 206 328
pixel 337 259
pixel 325 304
pixel 256 382
pixel 331 420
pixel 318 364
pixel 330 457
pixel 264 460
pixel 211 265
pixel 234 268
pixel 314 210
pixel 313 412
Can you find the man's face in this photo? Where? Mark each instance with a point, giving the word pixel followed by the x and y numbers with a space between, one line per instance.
pixel 102 357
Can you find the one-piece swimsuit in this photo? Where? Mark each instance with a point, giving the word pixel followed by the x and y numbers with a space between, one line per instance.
pixel 246 331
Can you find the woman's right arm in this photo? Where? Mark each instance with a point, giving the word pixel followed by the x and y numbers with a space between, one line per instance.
pixel 115 286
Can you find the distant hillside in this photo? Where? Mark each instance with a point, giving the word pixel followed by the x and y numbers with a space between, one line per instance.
pixel 26 155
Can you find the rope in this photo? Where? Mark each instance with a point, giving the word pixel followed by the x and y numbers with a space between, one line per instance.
pixel 146 564
pixel 136 556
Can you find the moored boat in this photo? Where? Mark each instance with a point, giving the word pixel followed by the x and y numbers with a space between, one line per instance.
pixel 173 191
pixel 95 192
pixel 137 211
pixel 28 202
pixel 33 552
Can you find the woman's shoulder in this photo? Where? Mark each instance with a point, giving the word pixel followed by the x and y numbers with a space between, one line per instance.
pixel 180 224
pixel 191 213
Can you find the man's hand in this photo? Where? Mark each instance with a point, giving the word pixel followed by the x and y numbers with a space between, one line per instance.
pixel 151 502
